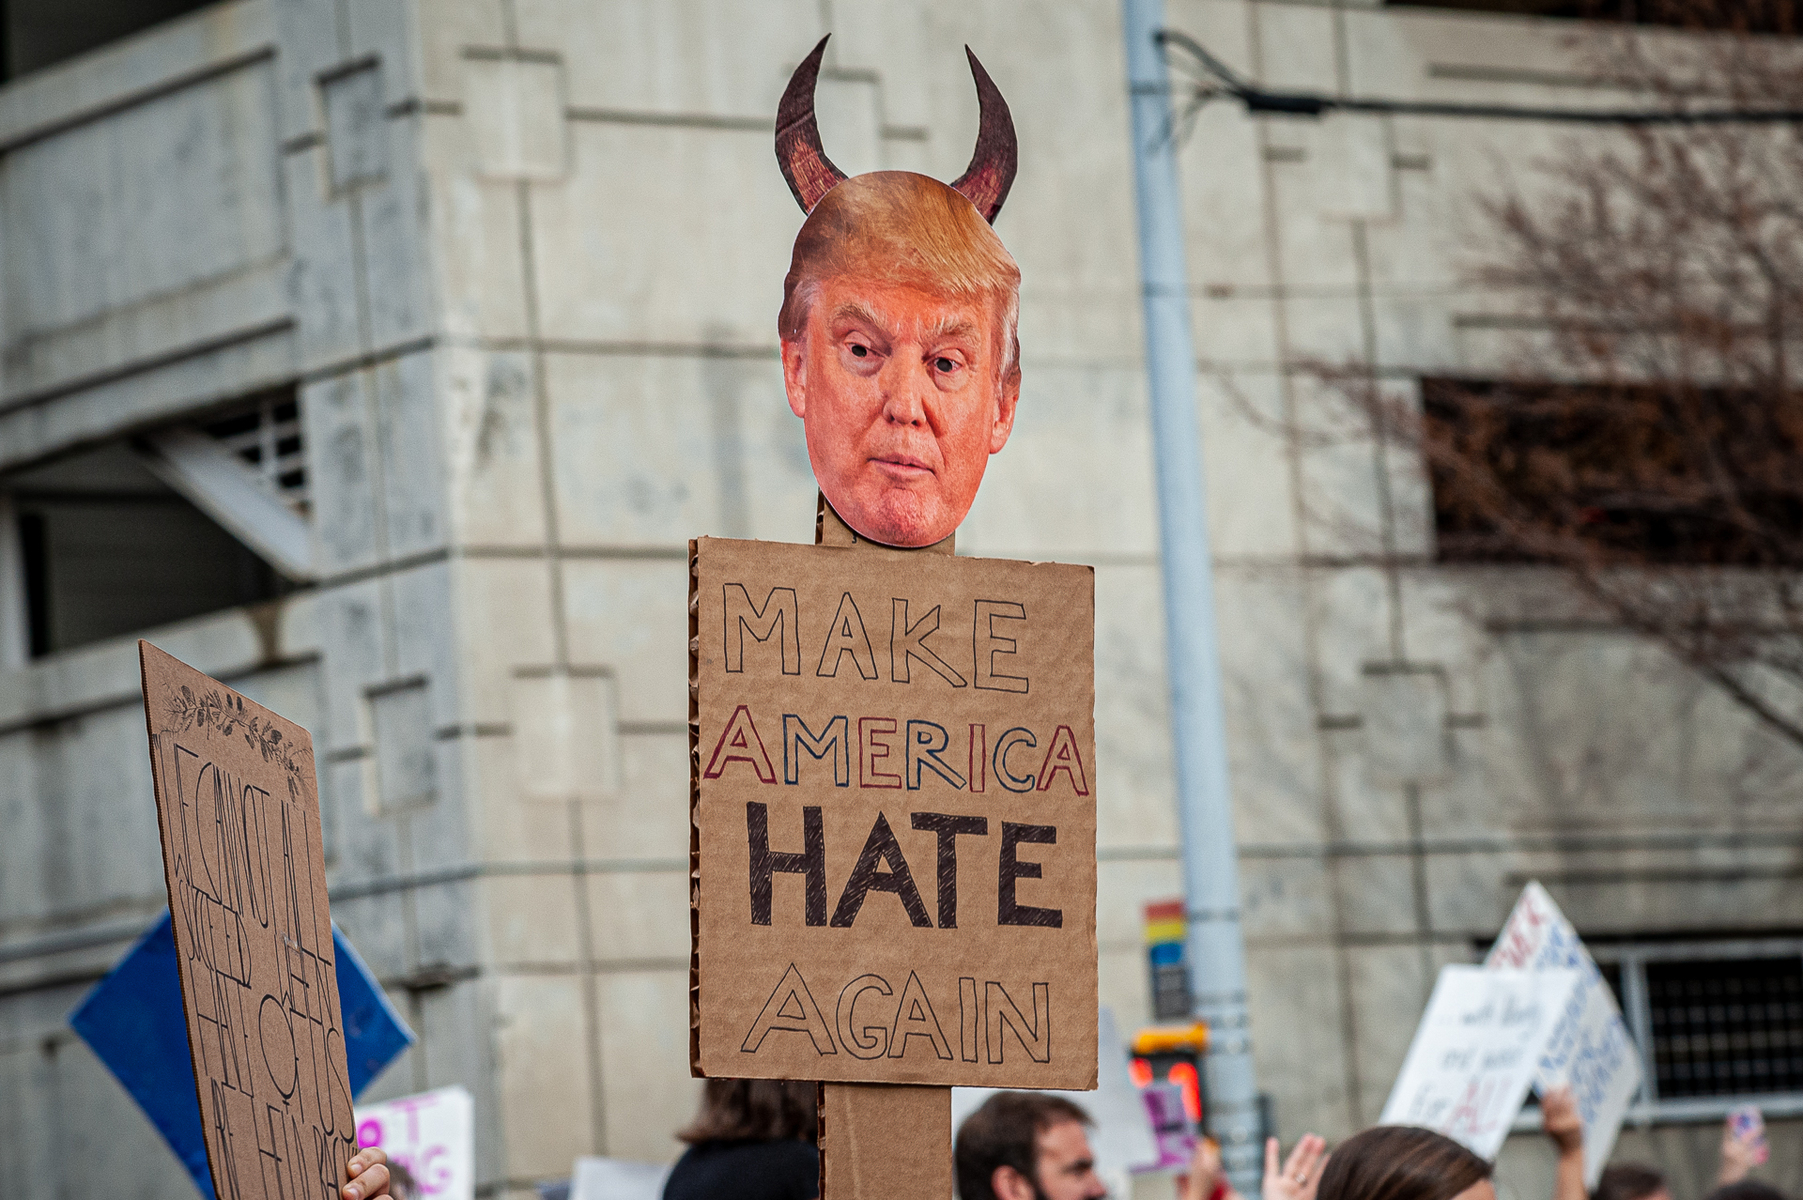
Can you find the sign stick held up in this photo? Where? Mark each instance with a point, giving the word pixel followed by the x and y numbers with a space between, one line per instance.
pixel 892 750
pixel 871 1135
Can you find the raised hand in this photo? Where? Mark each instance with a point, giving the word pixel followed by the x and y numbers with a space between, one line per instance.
pixel 1301 1172
pixel 1206 1177
pixel 1559 1117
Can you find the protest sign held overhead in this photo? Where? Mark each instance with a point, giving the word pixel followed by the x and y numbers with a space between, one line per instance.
pixel 894 817
pixel 1592 1051
pixel 1476 1052
pixel 238 810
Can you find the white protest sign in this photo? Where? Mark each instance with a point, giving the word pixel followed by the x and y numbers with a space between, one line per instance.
pixel 432 1134
pixel 618 1179
pixel 1591 1050
pixel 1476 1051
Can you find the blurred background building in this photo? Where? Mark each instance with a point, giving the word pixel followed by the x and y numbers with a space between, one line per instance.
pixel 380 356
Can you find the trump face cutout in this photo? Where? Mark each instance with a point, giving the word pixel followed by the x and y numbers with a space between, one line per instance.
pixel 904 398
pixel 898 326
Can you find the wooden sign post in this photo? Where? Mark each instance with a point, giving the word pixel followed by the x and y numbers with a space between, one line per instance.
pixel 893 835
pixel 238 809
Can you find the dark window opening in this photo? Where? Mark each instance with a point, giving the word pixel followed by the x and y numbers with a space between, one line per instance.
pixel 108 549
pixel 37 592
pixel 35 34
pixel 1783 17
pixel 1526 472
pixel 1726 1027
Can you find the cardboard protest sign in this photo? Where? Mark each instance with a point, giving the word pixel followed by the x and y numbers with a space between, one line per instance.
pixel 1476 1051
pixel 893 842
pixel 238 809
pixel 1591 1051
pixel 432 1134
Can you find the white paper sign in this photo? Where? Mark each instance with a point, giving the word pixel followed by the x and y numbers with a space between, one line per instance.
pixel 618 1179
pixel 1476 1051
pixel 432 1134
pixel 1592 1050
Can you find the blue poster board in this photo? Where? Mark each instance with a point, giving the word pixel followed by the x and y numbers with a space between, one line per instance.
pixel 133 1021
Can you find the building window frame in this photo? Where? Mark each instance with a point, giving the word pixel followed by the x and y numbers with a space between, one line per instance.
pixel 1631 958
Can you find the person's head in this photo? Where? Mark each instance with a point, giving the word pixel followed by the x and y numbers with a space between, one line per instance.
pixel 1630 1181
pixel 900 353
pixel 401 1183
pixel 1400 1162
pixel 1747 1189
pixel 755 1110
pixel 1026 1146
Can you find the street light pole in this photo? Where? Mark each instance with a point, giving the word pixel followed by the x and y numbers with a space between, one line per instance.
pixel 1215 951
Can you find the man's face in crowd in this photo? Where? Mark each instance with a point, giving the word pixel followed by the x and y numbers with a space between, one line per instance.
pixel 1065 1165
pixel 900 394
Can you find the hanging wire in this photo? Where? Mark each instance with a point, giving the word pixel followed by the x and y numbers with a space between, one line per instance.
pixel 1214 79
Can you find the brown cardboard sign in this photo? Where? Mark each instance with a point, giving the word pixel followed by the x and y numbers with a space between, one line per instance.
pixel 238 809
pixel 893 842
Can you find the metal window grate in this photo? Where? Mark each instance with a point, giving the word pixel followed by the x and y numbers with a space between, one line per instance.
pixel 1729 1026
pixel 266 435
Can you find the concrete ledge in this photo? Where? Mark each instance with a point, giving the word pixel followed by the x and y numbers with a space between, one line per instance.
pixel 105 674
pixel 183 381
pixel 175 54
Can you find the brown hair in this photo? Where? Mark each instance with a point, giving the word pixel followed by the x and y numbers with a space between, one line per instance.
pixel 755 1110
pixel 1400 1162
pixel 1005 1133
pixel 401 1183
pixel 1627 1181
pixel 1746 1189
pixel 904 228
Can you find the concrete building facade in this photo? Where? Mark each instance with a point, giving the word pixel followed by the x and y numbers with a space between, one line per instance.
pixel 482 295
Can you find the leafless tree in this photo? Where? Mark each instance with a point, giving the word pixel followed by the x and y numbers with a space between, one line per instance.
pixel 1649 442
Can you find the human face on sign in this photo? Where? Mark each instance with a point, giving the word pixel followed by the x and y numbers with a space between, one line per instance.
pixel 903 397
pixel 1064 1163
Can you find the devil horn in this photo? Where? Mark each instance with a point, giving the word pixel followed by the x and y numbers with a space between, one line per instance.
pixel 986 181
pixel 811 174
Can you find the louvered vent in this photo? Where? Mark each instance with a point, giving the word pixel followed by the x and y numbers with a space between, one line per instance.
pixel 266 435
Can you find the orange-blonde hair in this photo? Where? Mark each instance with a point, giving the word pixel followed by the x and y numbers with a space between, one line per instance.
pixel 902 228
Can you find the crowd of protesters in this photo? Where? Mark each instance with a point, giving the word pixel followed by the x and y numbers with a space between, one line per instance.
pixel 755 1140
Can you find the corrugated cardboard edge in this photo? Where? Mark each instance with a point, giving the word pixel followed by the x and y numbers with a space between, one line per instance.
pixel 156 787
pixel 694 803
pixel 1095 948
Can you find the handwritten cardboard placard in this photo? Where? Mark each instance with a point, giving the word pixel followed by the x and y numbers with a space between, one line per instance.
pixel 238 809
pixel 1476 1050
pixel 893 842
pixel 1591 1051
